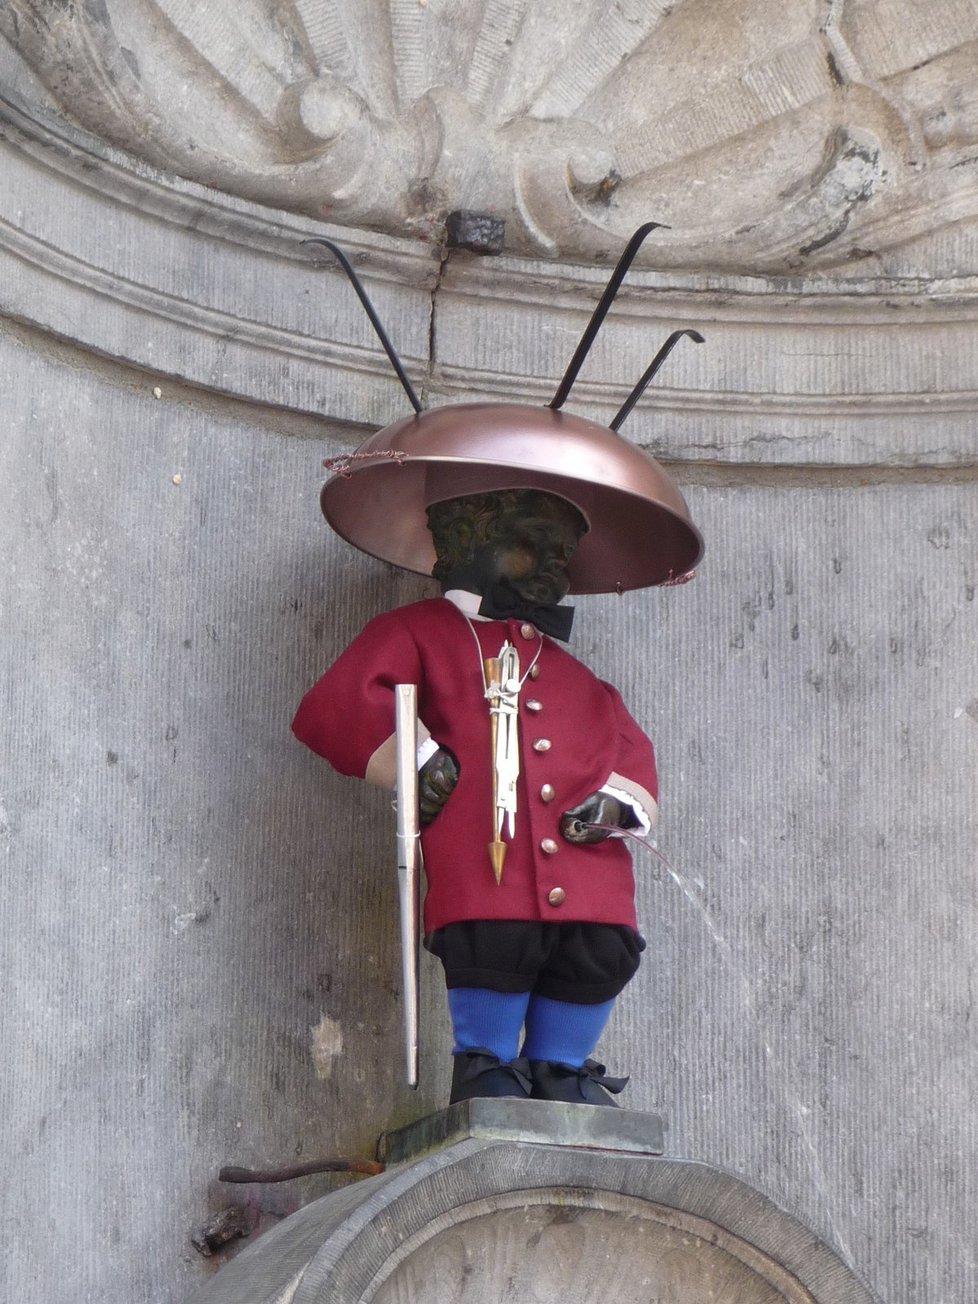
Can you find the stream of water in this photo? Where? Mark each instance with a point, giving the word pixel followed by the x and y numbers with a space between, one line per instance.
pixel 800 1112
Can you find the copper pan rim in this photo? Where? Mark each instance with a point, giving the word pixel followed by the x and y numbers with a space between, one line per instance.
pixel 640 532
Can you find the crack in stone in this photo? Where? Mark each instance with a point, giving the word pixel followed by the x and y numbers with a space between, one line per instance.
pixel 445 254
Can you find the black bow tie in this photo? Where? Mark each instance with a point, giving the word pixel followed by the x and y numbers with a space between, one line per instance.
pixel 504 603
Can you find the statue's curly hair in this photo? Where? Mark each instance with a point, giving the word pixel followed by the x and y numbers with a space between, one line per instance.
pixel 460 526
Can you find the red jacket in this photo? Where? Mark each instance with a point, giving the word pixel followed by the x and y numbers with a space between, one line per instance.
pixel 348 718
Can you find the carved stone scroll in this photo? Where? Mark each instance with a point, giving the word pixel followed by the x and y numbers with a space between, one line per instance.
pixel 773 136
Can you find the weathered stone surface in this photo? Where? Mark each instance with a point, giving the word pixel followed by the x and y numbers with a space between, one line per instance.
pixel 198 920
pixel 498 1221
pixel 199 924
pixel 855 122
pixel 224 295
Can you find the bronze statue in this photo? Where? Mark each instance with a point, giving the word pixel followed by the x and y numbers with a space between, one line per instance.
pixel 530 769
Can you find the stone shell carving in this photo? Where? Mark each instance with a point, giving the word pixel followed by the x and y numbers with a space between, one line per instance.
pixel 772 136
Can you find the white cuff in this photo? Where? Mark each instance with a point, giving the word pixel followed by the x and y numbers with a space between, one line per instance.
pixel 426 750
pixel 628 800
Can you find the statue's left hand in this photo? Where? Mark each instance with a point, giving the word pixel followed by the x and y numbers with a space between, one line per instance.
pixel 436 782
pixel 599 808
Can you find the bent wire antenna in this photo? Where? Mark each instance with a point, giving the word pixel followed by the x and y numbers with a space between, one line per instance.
pixel 583 347
pixel 347 266
pixel 647 375
pixel 600 312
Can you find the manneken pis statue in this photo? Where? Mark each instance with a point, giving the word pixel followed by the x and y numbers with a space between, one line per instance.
pixel 537 942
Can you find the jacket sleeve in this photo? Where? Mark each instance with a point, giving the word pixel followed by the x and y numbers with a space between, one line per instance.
pixel 634 776
pixel 348 716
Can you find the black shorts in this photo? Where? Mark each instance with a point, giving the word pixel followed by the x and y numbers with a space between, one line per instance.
pixel 584 964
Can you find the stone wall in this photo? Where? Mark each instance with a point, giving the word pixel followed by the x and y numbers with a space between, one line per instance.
pixel 198 940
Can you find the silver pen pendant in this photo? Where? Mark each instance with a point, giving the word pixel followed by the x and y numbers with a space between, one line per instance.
pixel 502 676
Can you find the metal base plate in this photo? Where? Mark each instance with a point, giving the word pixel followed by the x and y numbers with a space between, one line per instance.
pixel 540 1122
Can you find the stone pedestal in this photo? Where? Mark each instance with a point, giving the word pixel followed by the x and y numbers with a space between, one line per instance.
pixel 493 1201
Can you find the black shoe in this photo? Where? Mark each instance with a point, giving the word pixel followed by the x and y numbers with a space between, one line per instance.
pixel 586 1085
pixel 479 1073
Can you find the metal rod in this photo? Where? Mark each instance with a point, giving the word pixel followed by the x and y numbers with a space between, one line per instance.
pixel 368 1167
pixel 347 266
pixel 650 371
pixel 600 312
pixel 408 866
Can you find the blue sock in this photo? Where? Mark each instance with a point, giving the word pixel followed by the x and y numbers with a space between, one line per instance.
pixel 484 1018
pixel 561 1032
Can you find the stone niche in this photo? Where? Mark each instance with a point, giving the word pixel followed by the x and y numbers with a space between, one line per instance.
pixel 816 165
pixel 499 1201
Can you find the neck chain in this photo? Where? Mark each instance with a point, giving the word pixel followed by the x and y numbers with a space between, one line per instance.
pixel 506 643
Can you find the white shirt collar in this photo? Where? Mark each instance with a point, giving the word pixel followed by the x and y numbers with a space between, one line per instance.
pixel 468 603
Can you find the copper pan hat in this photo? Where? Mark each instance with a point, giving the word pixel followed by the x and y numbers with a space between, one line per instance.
pixel 639 528
pixel 640 532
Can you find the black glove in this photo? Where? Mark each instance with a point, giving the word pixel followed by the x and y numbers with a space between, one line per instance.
pixel 436 781
pixel 599 808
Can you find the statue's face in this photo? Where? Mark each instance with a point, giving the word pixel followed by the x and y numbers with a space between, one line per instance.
pixel 532 547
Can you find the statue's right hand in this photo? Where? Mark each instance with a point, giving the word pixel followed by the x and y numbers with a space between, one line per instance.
pixel 436 781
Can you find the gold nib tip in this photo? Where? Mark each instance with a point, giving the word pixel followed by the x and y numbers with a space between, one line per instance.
pixel 497 854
